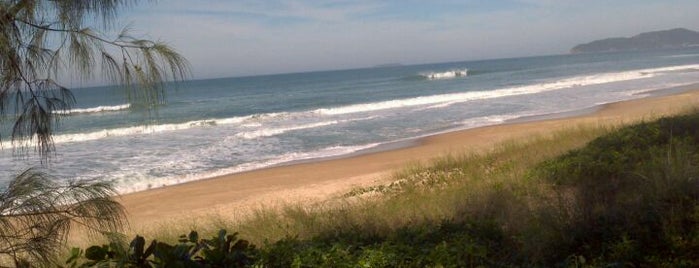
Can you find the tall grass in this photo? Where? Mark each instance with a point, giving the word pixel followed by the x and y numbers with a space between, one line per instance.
pixel 447 188
pixel 586 196
pixel 598 196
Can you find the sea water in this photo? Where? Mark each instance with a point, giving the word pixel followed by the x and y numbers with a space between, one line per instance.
pixel 221 126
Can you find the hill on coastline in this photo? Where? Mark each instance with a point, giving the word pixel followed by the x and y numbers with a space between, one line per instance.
pixel 668 39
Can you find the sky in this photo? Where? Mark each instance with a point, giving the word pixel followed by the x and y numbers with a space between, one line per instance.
pixel 224 38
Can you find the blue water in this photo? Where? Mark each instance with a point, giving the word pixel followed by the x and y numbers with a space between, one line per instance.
pixel 220 126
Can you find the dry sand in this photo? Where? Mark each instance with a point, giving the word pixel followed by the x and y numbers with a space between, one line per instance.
pixel 236 195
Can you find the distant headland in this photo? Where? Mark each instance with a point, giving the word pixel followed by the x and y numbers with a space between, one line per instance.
pixel 668 39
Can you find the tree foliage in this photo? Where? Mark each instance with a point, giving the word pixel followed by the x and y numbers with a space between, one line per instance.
pixel 43 40
pixel 36 214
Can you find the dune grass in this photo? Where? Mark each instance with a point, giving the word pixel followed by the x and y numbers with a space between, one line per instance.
pixel 446 192
pixel 586 196
pixel 440 190
pixel 589 195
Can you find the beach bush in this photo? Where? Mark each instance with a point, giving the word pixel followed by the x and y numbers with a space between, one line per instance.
pixel 222 250
pixel 631 196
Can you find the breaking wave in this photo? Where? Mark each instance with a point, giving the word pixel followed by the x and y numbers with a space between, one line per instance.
pixel 448 99
pixel 276 131
pixel 435 101
pixel 144 182
pixel 138 130
pixel 445 75
pixel 97 109
pixel 268 132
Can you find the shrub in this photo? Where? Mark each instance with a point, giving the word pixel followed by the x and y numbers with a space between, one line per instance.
pixel 222 250
pixel 631 195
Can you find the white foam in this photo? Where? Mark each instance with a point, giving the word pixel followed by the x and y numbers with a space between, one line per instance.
pixel 134 130
pixel 140 183
pixel 489 120
pixel 449 99
pixel 267 132
pixel 682 56
pixel 97 109
pixel 445 75
pixel 434 101
pixel 147 129
pixel 690 67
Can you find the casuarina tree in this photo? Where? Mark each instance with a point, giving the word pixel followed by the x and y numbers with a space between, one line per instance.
pixel 41 42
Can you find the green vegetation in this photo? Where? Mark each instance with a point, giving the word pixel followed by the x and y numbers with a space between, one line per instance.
pixel 42 41
pixel 36 214
pixel 220 251
pixel 581 198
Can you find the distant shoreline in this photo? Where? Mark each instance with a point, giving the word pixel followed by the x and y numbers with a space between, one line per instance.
pixel 388 65
pixel 678 38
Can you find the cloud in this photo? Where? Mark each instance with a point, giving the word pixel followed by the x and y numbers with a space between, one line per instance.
pixel 223 38
pixel 263 11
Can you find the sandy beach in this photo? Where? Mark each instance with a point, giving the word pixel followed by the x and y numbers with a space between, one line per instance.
pixel 236 195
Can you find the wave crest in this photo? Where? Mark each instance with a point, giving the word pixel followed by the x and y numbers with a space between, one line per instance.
pixel 276 131
pixel 453 98
pixel 133 130
pixel 445 75
pixel 432 101
pixel 97 109
pixel 130 183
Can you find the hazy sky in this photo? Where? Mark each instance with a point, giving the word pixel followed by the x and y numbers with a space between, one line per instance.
pixel 224 38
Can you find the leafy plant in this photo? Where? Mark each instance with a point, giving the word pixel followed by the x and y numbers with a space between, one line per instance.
pixel 227 251
pixel 222 250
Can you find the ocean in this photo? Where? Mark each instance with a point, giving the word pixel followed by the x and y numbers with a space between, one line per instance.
pixel 220 126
